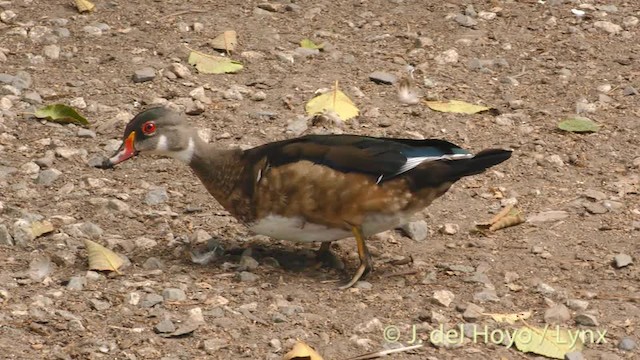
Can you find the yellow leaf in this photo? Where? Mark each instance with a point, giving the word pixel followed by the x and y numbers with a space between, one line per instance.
pixel 456 106
pixel 226 41
pixel 308 44
pixel 84 6
pixel 101 258
pixel 302 351
pixel 510 318
pixel 39 228
pixel 211 64
pixel 335 101
pixel 549 341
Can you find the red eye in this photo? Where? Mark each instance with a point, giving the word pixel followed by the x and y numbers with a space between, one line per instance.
pixel 149 128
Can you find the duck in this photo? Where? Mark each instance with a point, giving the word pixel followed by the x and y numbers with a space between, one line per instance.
pixel 312 188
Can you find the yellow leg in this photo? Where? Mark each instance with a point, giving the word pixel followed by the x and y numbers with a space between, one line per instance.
pixel 363 254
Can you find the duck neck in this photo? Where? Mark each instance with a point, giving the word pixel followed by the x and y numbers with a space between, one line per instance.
pixel 218 169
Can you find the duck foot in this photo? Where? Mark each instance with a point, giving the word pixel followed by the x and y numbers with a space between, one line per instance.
pixel 365 260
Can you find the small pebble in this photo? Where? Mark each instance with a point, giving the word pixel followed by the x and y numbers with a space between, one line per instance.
pixel 574 355
pixel 143 75
pixel 627 343
pixel 557 314
pixel 382 77
pixel 48 177
pixel 416 230
pixel 586 320
pixel 449 229
pixel 156 196
pixel 165 326
pixel 174 294
pixel 443 297
pixel 622 260
pixel 245 276
pixel 76 283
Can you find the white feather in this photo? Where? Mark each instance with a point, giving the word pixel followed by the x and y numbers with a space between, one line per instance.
pixel 187 154
pixel 412 162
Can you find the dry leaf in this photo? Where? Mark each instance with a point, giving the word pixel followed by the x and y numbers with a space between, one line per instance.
pixel 101 258
pixel 226 41
pixel 335 101
pixel 552 342
pixel 302 351
pixel 509 318
pixel 507 217
pixel 507 221
pixel 211 64
pixel 456 106
pixel 39 228
pixel 84 6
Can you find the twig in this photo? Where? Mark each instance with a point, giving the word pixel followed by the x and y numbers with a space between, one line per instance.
pixel 401 273
pixel 183 12
pixel 381 353
pixel 135 330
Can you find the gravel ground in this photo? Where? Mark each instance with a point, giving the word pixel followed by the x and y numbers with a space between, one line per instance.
pixel 573 263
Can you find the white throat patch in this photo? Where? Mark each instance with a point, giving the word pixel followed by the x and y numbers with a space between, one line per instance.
pixel 184 155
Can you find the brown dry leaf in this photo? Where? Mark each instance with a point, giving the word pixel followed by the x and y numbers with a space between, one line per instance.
pixel 226 41
pixel 507 221
pixel 39 228
pixel 84 6
pixel 302 351
pixel 101 258
pixel 507 217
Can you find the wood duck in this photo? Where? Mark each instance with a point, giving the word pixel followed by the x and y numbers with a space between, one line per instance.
pixel 314 188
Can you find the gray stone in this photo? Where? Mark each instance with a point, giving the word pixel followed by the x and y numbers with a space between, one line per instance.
pixel 6 79
pixel 117 205
pixel 8 16
pixel 574 355
pixel 248 263
pixel 586 319
pixel 22 233
pixel 22 80
pixel 92 30
pixel 473 312
pixel 48 177
pixel 548 216
pixel 416 230
pixel 76 283
pixel 194 107
pixel 91 230
pixel 164 326
pixel 629 91
pixel 595 208
pixel 245 276
pixel 486 295
pixel 577 304
pixel 557 314
pixel 382 77
pixel 622 260
pixel 32 97
pixel 62 32
pixel 86 133
pixel 627 343
pixel 156 196
pixel 5 237
pixel 213 346
pixel 152 263
pixel 180 70
pixel 151 300
pixel 259 96
pixel 143 75
pixel 608 27
pixel 174 294
pixel 466 21
pixel 99 305
pixel 52 51
pixel 298 126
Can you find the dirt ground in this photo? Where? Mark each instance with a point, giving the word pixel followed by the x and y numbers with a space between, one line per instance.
pixel 535 61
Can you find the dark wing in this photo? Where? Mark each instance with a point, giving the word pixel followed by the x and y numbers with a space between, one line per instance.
pixel 384 157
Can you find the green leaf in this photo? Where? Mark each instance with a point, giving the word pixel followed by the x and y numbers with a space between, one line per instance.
pixel 578 125
pixel 62 114
pixel 211 64
pixel 456 106
pixel 308 44
pixel 550 341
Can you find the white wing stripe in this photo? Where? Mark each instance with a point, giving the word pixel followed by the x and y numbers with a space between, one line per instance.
pixel 415 161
